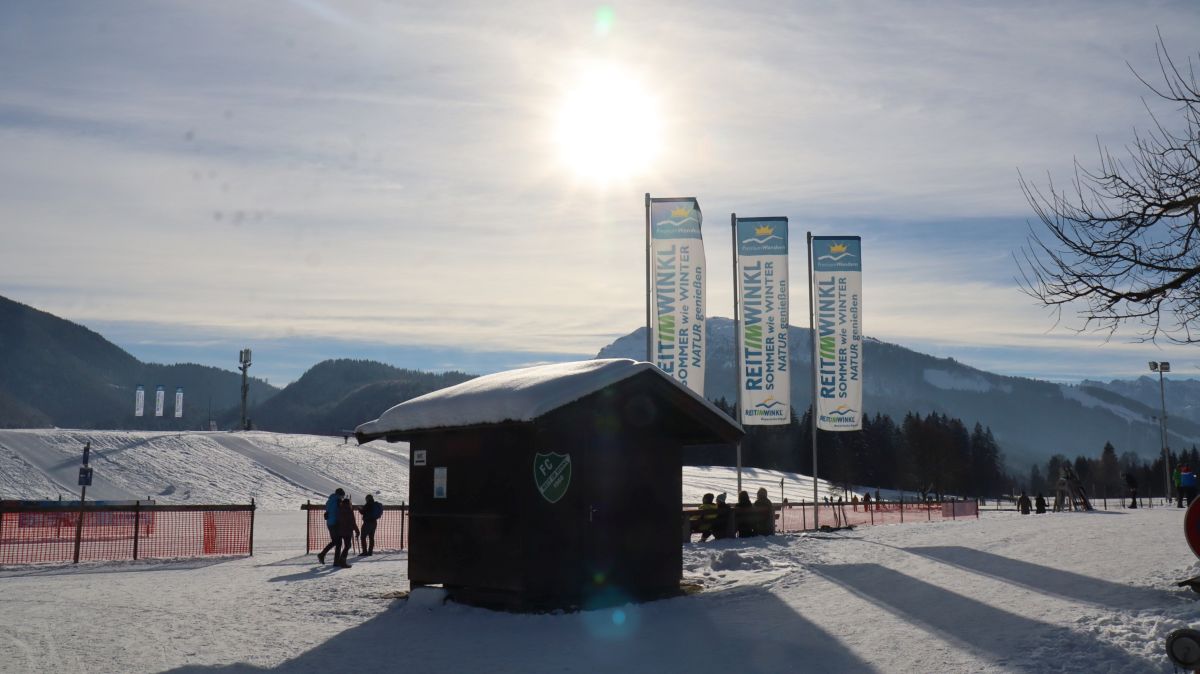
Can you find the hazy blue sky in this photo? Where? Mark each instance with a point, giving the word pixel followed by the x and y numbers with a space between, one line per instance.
pixel 437 185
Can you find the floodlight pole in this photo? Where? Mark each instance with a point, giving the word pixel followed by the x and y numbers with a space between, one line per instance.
pixel 1160 368
pixel 244 365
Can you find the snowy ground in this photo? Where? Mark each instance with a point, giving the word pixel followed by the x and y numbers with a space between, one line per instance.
pixel 1050 593
pixel 1067 592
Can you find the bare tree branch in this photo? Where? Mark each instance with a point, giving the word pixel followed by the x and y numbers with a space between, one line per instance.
pixel 1121 244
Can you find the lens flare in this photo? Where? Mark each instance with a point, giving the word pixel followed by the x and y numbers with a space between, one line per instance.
pixel 604 20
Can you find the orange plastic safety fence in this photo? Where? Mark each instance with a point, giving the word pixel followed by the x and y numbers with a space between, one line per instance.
pixel 391 531
pixel 798 517
pixel 33 535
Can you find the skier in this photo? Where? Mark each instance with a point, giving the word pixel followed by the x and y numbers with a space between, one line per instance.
pixel 1023 504
pixel 1131 483
pixel 372 510
pixel 1039 504
pixel 331 505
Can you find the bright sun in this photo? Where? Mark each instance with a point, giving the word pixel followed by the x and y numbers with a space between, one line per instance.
pixel 608 126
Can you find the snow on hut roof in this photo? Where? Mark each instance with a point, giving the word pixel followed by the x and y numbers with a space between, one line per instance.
pixel 512 396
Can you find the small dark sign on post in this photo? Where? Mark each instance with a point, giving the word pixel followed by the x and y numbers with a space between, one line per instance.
pixel 85 480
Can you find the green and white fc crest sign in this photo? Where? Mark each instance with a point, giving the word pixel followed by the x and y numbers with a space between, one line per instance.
pixel 552 474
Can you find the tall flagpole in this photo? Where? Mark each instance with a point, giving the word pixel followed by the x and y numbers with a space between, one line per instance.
pixel 649 288
pixel 737 336
pixel 812 417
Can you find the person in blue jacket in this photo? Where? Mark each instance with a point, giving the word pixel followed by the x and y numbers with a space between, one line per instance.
pixel 1187 484
pixel 372 510
pixel 331 508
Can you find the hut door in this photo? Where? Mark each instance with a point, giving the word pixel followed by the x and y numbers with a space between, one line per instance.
pixel 603 535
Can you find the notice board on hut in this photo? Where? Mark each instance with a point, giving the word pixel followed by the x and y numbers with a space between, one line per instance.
pixel 552 486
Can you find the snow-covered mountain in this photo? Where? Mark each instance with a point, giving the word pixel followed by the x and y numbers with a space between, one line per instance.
pixel 1182 395
pixel 1032 419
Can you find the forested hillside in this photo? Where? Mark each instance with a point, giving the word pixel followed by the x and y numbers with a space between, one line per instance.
pixel 337 395
pixel 55 372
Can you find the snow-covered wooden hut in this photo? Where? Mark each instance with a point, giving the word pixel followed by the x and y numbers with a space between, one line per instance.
pixel 550 486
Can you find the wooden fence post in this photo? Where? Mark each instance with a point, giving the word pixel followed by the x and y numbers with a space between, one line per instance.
pixel 137 525
pixel 254 507
pixel 79 526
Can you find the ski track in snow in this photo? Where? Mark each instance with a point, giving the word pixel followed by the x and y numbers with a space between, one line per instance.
pixel 279 471
pixel 1061 592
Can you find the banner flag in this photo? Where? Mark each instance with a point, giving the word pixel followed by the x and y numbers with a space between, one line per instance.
pixel 158 401
pixel 677 335
pixel 178 402
pixel 837 303
pixel 762 288
pixel 139 401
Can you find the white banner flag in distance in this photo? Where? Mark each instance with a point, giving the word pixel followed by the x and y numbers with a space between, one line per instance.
pixel 139 401
pixel 158 401
pixel 178 402
pixel 677 274
pixel 837 303
pixel 762 286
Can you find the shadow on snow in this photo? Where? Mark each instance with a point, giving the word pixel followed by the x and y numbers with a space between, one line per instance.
pixel 1049 580
pixel 745 630
pixel 1005 639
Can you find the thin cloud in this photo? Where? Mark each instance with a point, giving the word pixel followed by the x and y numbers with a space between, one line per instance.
pixel 388 174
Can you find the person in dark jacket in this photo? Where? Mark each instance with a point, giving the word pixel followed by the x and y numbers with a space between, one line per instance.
pixel 347 527
pixel 708 515
pixel 766 513
pixel 745 515
pixel 331 505
pixel 1039 504
pixel 372 510
pixel 1023 504
pixel 723 525
pixel 1131 483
